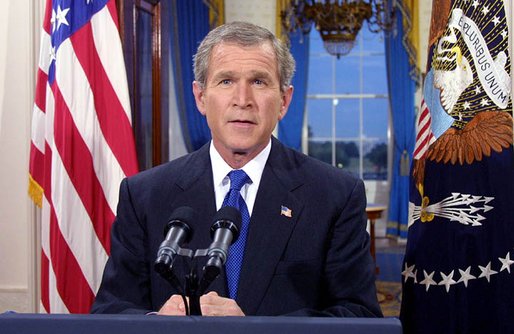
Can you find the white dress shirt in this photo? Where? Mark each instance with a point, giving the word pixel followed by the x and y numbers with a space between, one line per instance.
pixel 253 169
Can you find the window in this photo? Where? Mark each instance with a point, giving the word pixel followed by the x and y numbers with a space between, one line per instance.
pixel 348 108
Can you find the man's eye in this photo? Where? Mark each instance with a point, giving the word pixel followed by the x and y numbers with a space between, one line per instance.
pixel 259 82
pixel 225 82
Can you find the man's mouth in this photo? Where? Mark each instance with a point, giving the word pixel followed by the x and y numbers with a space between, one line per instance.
pixel 242 122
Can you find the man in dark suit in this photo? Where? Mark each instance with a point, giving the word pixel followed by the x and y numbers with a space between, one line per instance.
pixel 306 249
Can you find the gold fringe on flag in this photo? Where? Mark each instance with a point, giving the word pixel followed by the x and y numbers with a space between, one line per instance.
pixel 35 192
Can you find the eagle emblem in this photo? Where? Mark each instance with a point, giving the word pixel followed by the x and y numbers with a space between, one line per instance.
pixel 467 88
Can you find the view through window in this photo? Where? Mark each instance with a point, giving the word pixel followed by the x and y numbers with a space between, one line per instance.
pixel 348 108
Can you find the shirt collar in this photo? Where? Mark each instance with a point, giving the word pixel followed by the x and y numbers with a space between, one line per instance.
pixel 253 168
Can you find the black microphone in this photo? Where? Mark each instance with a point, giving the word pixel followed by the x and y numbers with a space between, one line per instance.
pixel 177 232
pixel 224 232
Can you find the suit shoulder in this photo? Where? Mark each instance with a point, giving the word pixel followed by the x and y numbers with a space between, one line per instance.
pixel 311 178
pixel 319 170
pixel 170 171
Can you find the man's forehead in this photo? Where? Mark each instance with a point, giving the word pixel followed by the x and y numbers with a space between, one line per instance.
pixel 224 53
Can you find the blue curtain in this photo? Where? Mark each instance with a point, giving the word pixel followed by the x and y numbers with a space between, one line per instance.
pixel 189 25
pixel 401 95
pixel 290 128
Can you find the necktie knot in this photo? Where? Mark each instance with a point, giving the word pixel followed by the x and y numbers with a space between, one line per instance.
pixel 238 179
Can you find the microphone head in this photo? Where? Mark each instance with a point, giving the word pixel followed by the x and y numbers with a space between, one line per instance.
pixel 229 213
pixel 227 217
pixel 180 217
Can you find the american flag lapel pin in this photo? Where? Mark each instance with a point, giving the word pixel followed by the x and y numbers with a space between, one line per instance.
pixel 285 211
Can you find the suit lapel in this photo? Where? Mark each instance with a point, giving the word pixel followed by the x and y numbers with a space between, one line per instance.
pixel 197 189
pixel 269 229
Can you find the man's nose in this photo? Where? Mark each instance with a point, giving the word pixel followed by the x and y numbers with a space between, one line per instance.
pixel 243 95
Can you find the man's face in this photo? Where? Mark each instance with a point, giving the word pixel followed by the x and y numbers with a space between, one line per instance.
pixel 241 98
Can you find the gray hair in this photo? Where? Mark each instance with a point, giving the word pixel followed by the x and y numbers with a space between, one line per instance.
pixel 244 34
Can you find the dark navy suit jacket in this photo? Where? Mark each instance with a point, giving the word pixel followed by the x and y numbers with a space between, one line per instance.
pixel 314 263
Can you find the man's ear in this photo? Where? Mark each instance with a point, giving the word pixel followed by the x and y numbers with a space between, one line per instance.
pixel 198 92
pixel 287 96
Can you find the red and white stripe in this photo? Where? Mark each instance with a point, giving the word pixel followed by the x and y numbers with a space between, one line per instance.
pixel 424 136
pixel 82 147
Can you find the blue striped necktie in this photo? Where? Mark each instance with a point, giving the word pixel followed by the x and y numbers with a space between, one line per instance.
pixel 238 179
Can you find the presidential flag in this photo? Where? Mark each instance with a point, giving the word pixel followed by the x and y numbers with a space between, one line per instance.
pixel 458 271
pixel 82 146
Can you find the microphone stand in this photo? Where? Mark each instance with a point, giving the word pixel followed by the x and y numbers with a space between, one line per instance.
pixel 194 287
pixel 192 293
pixel 224 232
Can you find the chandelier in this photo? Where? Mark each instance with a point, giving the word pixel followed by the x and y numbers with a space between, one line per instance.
pixel 338 21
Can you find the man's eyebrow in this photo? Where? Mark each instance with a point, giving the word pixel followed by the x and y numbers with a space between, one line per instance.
pixel 261 74
pixel 232 74
pixel 223 74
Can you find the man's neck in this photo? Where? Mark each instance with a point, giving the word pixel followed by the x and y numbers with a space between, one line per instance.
pixel 238 159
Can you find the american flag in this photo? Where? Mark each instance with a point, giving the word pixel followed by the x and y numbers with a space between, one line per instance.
pixel 82 146
pixel 285 211
pixel 424 136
